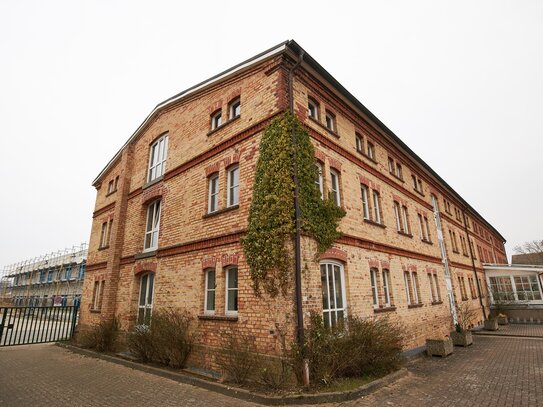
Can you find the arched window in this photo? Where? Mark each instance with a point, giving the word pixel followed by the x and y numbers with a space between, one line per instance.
pixel 333 293
pixel 145 303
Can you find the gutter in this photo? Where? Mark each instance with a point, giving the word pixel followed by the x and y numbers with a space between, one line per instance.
pixel 473 265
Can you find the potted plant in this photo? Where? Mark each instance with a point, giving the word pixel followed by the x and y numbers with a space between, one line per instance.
pixel 462 335
pixel 439 346
pixel 491 324
pixel 502 319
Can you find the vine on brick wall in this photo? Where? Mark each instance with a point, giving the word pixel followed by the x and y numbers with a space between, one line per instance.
pixel 268 242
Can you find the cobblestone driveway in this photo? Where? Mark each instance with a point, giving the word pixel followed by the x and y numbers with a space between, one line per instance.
pixel 493 372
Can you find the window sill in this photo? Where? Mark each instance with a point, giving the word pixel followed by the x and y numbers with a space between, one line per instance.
pixel 153 182
pixel 103 247
pixel 426 241
pixel 332 132
pixel 396 177
pixel 466 255
pixel 437 302
pixel 456 251
pixel 371 222
pixel 229 318
pixel 144 255
pixel 464 299
pixel 111 193
pixel 405 234
pixel 418 192
pixel 95 311
pixel 222 126
pixel 420 304
pixel 384 309
pixel 218 212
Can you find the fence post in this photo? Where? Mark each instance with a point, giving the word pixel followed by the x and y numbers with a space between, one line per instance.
pixel 74 319
pixel 2 323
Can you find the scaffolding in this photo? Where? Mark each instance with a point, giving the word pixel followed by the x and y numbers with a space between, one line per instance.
pixel 52 270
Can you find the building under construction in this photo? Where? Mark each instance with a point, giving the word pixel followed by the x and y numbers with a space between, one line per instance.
pixel 52 279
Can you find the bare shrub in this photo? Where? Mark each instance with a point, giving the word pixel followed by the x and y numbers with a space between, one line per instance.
pixel 466 316
pixel 168 340
pixel 275 374
pixel 101 337
pixel 357 348
pixel 237 358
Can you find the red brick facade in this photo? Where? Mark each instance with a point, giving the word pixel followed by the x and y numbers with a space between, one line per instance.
pixel 191 240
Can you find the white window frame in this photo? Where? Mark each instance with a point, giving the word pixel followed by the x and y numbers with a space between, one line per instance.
pixel 370 147
pixel 399 225
pixel 152 226
pixel 158 155
pixel 376 207
pixel 97 300
pixel 213 195
pixel 399 172
pixel 405 218
pixel 426 228
pixel 374 287
pixel 233 186
pixel 407 282
pixel 419 216
pixel 104 235
pixel 329 265
pixel 207 291
pixel 311 104
pixel 416 294
pixel 386 287
pixel 365 203
pixel 330 121
pixel 232 107
pixel 229 289
pixel 432 291
pixel 391 165
pixel 334 189
pixel 216 120
pixel 147 305
pixel 359 141
pixel 319 181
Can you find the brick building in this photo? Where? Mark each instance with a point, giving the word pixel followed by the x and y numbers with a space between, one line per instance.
pixel 173 202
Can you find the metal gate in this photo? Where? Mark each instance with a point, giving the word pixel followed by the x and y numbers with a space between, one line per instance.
pixel 26 325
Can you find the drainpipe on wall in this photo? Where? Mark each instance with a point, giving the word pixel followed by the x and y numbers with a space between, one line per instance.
pixel 473 264
pixel 297 236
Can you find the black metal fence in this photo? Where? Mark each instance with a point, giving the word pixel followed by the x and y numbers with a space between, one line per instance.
pixel 26 325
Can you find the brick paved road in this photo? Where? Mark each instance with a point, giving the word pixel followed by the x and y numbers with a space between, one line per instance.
pixel 495 371
pixel 533 330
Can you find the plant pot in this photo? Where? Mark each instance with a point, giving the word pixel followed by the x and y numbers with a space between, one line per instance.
pixel 439 347
pixel 503 320
pixel 491 325
pixel 464 338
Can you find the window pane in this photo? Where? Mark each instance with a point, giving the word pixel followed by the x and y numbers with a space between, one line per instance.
pixel 339 290
pixel 331 287
pixel 143 289
pixel 150 289
pixel 324 285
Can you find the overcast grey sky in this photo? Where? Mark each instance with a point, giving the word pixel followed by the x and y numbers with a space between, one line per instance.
pixel 461 82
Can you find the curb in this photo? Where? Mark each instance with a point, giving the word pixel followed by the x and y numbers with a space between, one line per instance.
pixel 483 333
pixel 242 394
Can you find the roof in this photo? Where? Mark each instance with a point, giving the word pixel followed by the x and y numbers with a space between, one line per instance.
pixel 296 49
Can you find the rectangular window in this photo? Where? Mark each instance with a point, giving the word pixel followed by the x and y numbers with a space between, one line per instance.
pixel 210 285
pixel 68 273
pixel 110 186
pixel 501 288
pixel 359 143
pixel 432 290
pixel 399 225
pixel 313 109
pixel 438 291
pixel 82 268
pixel 527 288
pixel 365 203
pixel 152 227
pixel 213 194
pixel 386 288
pixel 391 165
pixel 232 290
pixel 421 227
pixel 376 207
pixel 331 121
pixel 333 294
pixel 216 120
pixel 50 276
pixel 157 159
pixel 407 282
pixel 405 218
pixel 235 108
pixel 97 295
pixel 233 186
pixel 319 180
pixel 370 150
pixel 374 287
pixel 334 181
pixel 103 235
pixel 399 173
pixel 145 305
pixel 416 293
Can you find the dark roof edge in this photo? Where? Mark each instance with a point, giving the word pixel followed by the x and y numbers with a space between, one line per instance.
pixel 295 47
pixel 178 96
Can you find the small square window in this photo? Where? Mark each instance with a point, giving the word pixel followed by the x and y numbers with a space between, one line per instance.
pixel 331 121
pixel 313 109
pixel 216 120
pixel 235 109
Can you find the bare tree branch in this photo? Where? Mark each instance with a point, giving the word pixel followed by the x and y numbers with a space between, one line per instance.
pixel 535 246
